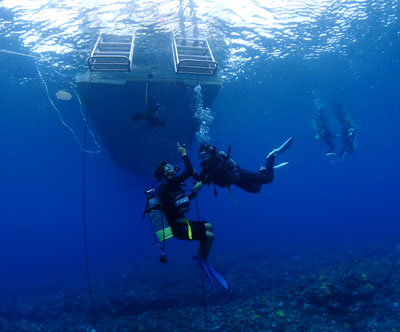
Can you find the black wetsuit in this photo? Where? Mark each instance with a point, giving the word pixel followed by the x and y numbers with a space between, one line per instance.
pixel 223 171
pixel 327 137
pixel 348 132
pixel 175 203
pixel 324 132
pixel 348 136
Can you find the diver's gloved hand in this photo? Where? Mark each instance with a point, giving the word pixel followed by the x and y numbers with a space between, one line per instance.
pixel 181 150
pixel 197 186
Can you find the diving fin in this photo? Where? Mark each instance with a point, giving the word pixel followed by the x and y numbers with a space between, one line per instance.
pixel 201 262
pixel 218 277
pixel 332 157
pixel 281 165
pixel 286 145
pixel 263 168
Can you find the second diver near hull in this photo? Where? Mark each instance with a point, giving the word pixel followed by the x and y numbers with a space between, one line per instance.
pixel 220 169
pixel 151 116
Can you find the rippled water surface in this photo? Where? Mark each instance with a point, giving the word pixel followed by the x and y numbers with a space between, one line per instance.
pixel 241 32
pixel 280 62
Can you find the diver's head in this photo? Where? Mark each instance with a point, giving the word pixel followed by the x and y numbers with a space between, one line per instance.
pixel 207 152
pixel 165 171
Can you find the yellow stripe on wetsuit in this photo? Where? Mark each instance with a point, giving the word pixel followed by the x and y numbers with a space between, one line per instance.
pixel 184 220
pixel 167 233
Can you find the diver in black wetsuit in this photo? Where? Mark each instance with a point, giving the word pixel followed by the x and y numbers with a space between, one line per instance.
pixel 219 168
pixel 175 204
pixel 323 132
pixel 348 132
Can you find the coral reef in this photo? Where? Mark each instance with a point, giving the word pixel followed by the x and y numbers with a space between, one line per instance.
pixel 346 291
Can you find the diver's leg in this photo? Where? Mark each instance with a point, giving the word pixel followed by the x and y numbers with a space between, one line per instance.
pixel 206 244
pixel 331 146
pixel 269 169
pixel 350 147
pixel 268 172
pixel 252 188
pixel 341 155
pixel 249 181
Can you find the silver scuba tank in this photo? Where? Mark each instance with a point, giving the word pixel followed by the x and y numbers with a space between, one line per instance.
pixel 159 223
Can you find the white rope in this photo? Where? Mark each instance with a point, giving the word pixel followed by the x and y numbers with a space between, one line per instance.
pixel 18 53
pixel 61 118
pixel 73 87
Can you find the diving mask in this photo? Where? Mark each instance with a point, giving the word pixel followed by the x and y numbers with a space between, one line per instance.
pixel 204 156
pixel 170 169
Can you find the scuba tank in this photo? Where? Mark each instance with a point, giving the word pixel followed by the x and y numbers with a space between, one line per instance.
pixel 159 225
pixel 158 221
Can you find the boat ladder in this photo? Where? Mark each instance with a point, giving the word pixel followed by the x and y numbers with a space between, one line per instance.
pixel 193 56
pixel 112 53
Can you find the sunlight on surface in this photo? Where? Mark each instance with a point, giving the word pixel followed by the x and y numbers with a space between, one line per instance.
pixel 273 28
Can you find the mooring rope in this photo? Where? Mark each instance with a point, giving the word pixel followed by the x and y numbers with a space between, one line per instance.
pixel 198 218
pixel 84 225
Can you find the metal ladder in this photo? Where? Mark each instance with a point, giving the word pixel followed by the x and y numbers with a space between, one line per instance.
pixel 112 53
pixel 193 56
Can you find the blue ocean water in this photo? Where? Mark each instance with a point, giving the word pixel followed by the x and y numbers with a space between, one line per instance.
pixel 280 61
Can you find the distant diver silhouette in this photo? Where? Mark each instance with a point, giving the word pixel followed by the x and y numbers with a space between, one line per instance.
pixel 152 118
pixel 348 132
pixel 323 132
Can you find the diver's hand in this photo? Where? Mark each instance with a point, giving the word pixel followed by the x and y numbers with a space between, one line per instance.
pixel 181 150
pixel 197 186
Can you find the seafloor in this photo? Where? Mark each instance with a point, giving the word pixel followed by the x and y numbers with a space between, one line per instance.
pixel 335 290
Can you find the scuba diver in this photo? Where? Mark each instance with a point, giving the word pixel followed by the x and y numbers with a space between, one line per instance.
pixel 323 132
pixel 219 168
pixel 152 117
pixel 174 204
pixel 348 132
